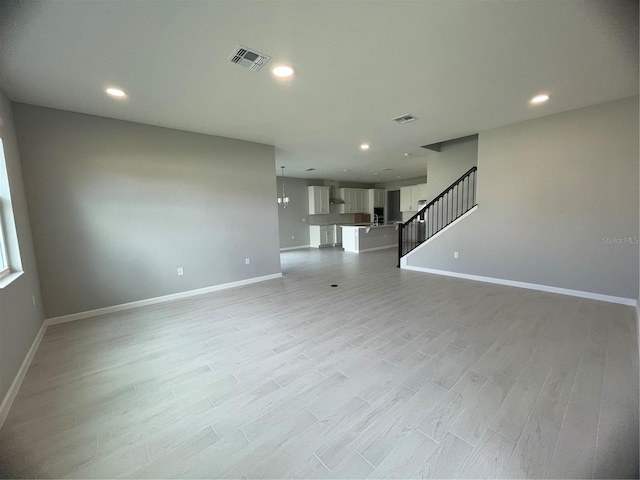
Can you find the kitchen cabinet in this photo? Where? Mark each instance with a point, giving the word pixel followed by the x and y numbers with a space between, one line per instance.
pixel 318 200
pixel 322 235
pixel 405 199
pixel 422 192
pixel 377 198
pixel 337 238
pixel 354 200
pixel 410 195
pixel 347 195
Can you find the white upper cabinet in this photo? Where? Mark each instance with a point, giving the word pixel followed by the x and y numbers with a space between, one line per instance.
pixel 422 192
pixel 406 204
pixel 376 198
pixel 354 200
pixel 318 200
pixel 410 195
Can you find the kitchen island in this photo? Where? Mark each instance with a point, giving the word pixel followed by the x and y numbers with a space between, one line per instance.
pixel 359 238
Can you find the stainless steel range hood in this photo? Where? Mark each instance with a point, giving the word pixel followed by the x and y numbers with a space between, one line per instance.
pixel 333 197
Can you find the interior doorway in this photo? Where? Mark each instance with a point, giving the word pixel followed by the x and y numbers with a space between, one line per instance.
pixel 393 206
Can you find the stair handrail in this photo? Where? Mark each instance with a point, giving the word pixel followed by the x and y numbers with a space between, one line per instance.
pixel 422 211
pixel 444 192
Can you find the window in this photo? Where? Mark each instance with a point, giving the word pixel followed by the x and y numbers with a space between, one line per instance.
pixel 4 182
pixel 10 264
pixel 4 259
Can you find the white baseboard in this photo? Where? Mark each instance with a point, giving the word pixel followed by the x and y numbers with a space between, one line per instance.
pixel 395 245
pixel 153 301
pixel 531 286
pixel 300 247
pixel 5 406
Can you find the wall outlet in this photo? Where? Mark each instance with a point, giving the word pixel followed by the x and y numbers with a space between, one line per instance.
pixel 247 261
pixel 455 254
pixel 293 237
pixel 180 271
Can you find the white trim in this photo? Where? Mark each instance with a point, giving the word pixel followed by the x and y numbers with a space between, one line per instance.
pixel 10 278
pixel 285 249
pixel 5 406
pixel 531 286
pixel 152 301
pixel 5 272
pixel 440 232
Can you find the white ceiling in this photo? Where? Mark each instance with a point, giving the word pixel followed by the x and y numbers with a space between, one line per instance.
pixel 460 66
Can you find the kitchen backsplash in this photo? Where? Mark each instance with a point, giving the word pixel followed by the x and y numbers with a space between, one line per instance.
pixel 331 218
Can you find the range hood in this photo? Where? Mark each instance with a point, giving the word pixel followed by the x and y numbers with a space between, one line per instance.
pixel 333 198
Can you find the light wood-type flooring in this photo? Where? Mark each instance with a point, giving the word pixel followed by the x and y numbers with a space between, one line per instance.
pixel 391 374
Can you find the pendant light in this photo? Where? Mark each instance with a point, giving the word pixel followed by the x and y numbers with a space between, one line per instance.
pixel 283 200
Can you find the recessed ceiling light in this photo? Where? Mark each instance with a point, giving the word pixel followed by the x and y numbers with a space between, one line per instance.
pixel 365 146
pixel 539 99
pixel 283 71
pixel 346 170
pixel 116 92
pixel 375 174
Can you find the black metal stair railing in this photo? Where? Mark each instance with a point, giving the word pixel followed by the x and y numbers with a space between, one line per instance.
pixel 451 204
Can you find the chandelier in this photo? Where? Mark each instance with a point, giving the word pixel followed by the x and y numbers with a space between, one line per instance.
pixel 283 200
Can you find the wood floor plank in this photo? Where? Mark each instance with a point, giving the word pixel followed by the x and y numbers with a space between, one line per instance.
pixel 377 378
pixel 407 457
pixel 473 421
pixel 514 411
pixel 437 422
pixel 244 460
pixel 332 452
pixel 300 446
pixel 382 434
pixel 532 454
pixel 617 440
pixel 490 459
pixel 447 459
pixel 271 419
pixel 553 398
pixel 575 449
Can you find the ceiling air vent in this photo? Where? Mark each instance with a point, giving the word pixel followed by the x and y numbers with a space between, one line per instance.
pixel 248 58
pixel 405 118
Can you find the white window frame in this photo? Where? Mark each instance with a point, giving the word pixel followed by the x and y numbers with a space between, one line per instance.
pixel 7 273
pixel 5 270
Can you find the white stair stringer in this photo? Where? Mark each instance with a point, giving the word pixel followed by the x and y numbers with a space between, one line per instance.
pixel 403 260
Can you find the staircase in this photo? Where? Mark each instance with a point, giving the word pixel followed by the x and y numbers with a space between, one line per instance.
pixel 451 204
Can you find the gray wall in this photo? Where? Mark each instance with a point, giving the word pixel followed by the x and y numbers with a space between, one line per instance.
pixel 294 220
pixel 550 192
pixel 445 167
pixel 117 206
pixel 20 320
